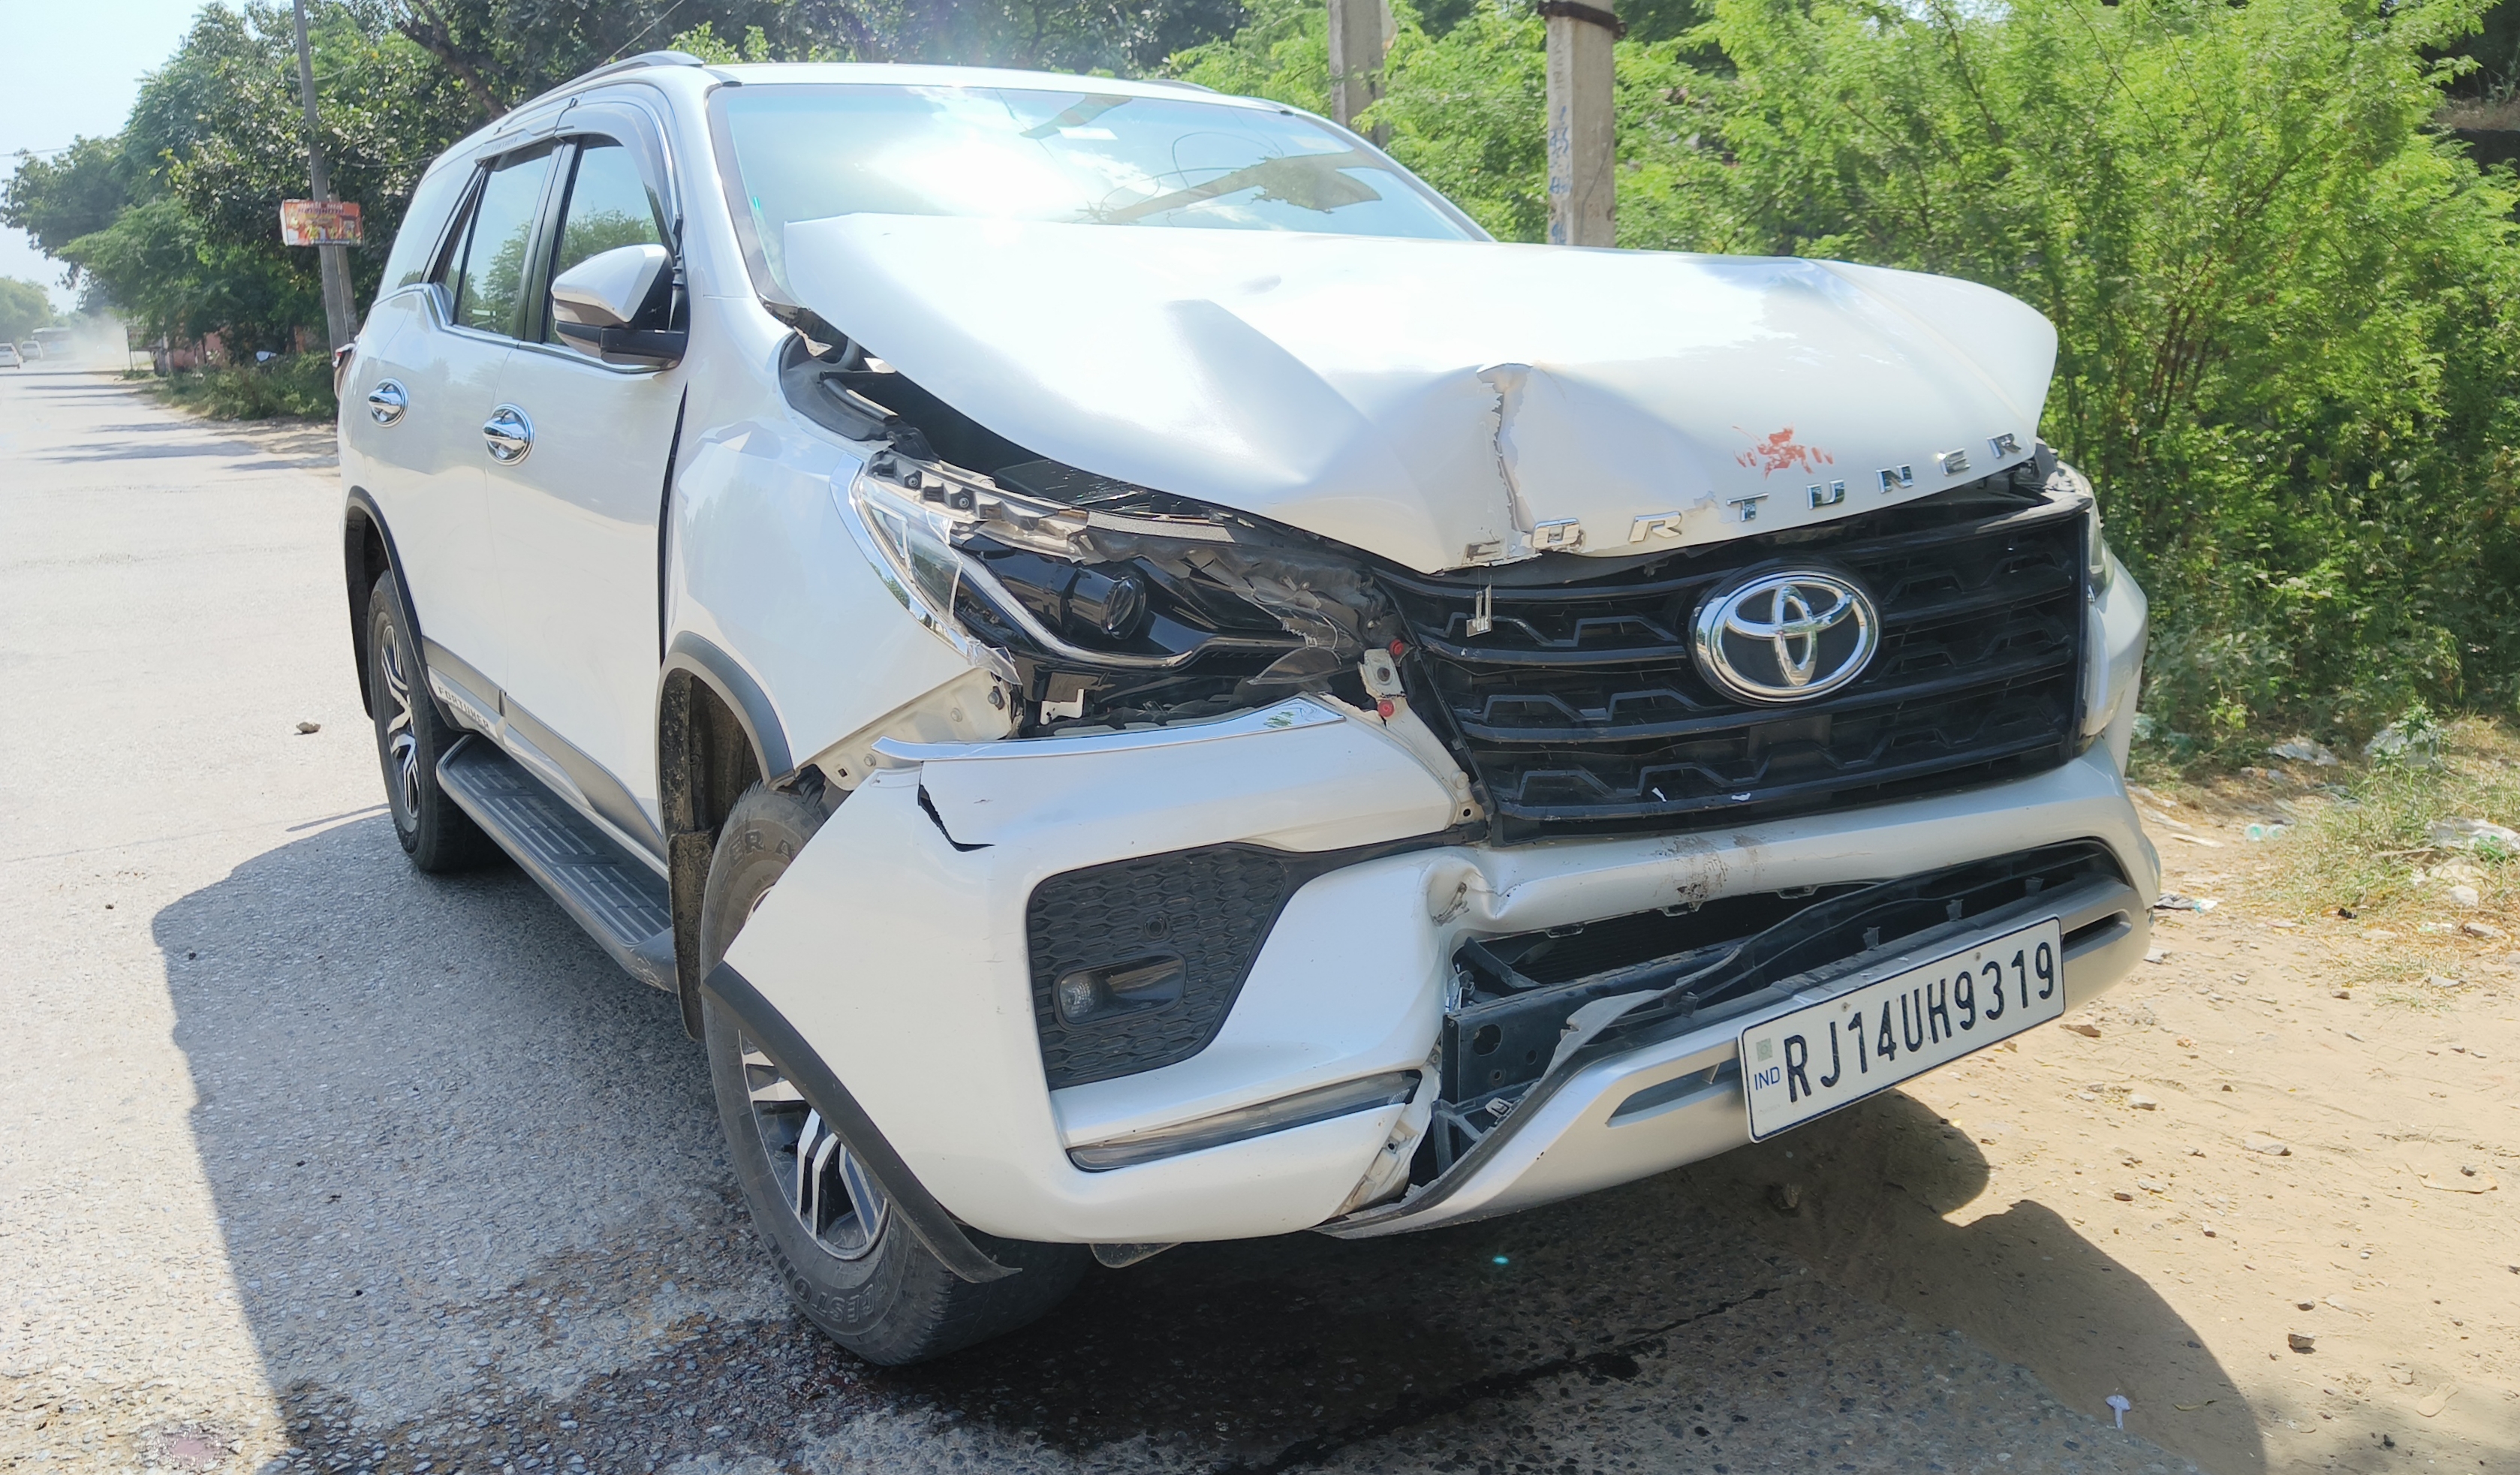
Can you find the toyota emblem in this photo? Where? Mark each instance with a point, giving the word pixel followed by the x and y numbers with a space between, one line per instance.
pixel 1785 635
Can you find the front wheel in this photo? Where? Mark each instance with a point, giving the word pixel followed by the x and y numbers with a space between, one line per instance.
pixel 855 1270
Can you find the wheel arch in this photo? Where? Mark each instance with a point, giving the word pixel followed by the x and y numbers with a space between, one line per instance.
pixel 717 734
pixel 368 552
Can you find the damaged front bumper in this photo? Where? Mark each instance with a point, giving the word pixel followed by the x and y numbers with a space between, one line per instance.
pixel 1658 1087
pixel 927 941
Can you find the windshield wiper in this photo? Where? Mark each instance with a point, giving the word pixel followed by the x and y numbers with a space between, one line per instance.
pixel 1307 181
pixel 1077 116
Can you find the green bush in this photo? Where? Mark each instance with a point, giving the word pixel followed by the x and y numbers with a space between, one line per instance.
pixel 289 386
pixel 2287 306
pixel 2369 844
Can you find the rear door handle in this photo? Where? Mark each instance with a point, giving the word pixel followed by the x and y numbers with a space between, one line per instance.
pixel 508 433
pixel 386 402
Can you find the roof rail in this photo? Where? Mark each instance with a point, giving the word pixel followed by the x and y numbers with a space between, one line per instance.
pixel 639 63
pixel 642 59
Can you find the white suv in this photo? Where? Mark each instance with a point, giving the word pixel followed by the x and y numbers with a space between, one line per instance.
pixel 1310 719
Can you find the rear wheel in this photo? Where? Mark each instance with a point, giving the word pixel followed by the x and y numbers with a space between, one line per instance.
pixel 434 832
pixel 854 1268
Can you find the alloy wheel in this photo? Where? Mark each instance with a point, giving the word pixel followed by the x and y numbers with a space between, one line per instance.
pixel 402 742
pixel 826 1186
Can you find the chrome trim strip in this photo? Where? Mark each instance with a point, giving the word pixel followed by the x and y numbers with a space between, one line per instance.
pixel 1303 1109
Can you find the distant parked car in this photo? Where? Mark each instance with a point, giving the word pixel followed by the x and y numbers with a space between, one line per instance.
pixel 30 350
pixel 10 356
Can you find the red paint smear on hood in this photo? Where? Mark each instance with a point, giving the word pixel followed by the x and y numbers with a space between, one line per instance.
pixel 1781 451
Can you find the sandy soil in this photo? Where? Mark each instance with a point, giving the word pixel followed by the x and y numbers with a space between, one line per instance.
pixel 2275 1130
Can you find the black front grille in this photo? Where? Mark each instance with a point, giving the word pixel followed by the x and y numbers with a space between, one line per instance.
pixel 1581 711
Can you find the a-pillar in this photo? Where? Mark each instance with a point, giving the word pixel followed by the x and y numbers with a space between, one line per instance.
pixel 1582 123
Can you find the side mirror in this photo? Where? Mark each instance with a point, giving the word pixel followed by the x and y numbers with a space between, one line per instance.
pixel 595 302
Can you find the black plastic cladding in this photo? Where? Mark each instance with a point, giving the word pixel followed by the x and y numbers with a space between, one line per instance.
pixel 1581 711
pixel 1211 907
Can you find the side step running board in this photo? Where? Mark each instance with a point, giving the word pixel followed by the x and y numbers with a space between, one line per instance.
pixel 609 892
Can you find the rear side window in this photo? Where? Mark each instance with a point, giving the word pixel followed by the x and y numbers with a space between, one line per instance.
pixel 610 205
pixel 490 275
pixel 421 226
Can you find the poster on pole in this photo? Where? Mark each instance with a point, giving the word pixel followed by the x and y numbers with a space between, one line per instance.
pixel 311 222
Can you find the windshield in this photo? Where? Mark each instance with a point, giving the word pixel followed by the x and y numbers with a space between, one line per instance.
pixel 809 153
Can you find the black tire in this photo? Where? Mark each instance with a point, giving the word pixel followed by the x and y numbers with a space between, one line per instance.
pixel 437 833
pixel 884 1296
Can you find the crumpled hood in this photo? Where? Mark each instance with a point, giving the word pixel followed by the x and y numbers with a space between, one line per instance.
pixel 1446 403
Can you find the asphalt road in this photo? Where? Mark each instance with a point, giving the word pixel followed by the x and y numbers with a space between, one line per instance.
pixel 308 1161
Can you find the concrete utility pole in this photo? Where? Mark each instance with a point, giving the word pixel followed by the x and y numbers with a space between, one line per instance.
pixel 1582 123
pixel 1361 32
pixel 341 319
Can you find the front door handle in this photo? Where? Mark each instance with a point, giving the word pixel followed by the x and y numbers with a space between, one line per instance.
pixel 386 402
pixel 510 434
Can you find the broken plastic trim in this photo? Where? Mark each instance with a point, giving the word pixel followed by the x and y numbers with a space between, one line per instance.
pixel 1244 1123
pixel 1119 1257
pixel 1830 939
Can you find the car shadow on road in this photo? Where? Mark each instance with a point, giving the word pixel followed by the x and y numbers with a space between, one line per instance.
pixel 1311 1334
pixel 1868 1188
pixel 417 1092
pixel 466 1171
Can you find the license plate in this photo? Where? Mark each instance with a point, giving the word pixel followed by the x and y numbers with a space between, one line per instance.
pixel 1871 1038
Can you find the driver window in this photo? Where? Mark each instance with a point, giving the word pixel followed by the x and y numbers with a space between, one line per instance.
pixel 490 281
pixel 609 206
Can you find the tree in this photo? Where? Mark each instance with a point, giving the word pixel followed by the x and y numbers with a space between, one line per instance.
pixel 74 193
pixel 175 220
pixel 503 51
pixel 24 307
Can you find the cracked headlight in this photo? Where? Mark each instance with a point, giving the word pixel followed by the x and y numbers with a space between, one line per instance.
pixel 1108 600
pixel 2097 567
pixel 910 545
pixel 2095 553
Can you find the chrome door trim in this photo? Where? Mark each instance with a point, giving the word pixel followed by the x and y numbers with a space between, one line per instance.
pixel 388 401
pixel 508 433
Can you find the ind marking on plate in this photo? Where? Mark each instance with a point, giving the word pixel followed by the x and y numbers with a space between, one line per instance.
pixel 1837 1051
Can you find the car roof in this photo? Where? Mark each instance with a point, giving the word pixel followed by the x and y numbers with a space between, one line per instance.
pixel 690 78
pixel 921 75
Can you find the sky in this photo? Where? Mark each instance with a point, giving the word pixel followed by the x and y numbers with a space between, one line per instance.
pixel 78 68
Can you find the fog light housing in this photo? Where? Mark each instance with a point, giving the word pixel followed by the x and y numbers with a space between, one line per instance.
pixel 1108 991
